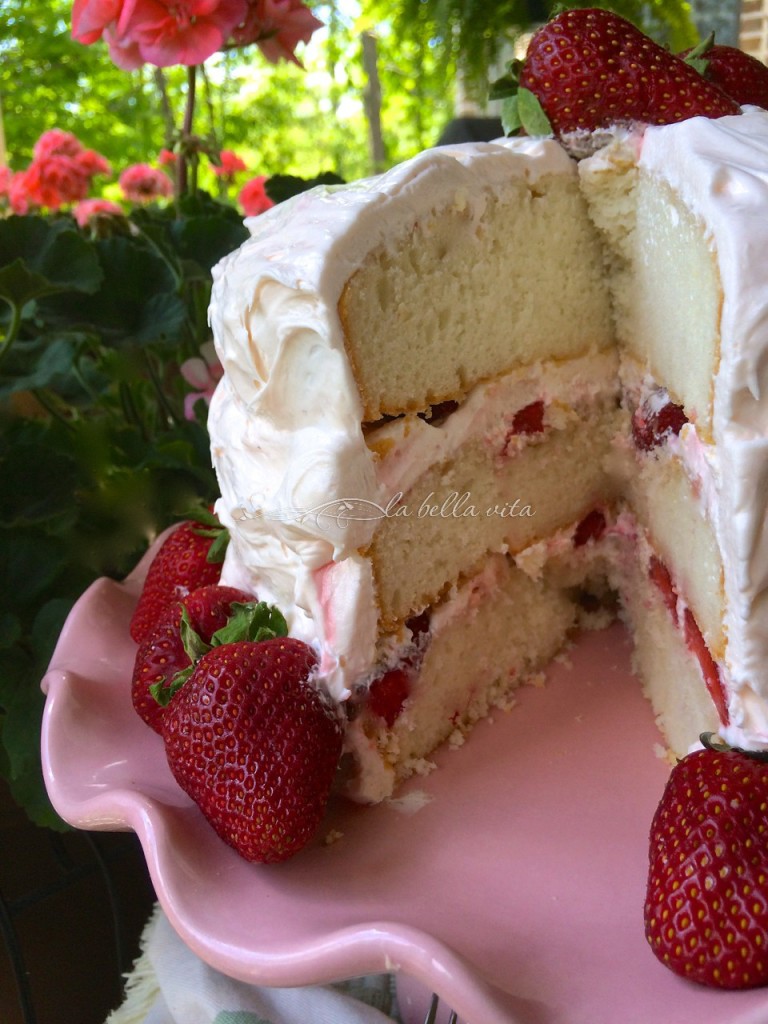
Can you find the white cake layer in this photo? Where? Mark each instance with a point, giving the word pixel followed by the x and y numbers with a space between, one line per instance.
pixel 715 174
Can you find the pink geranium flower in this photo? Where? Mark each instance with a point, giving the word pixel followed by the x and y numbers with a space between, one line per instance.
pixel 18 196
pixel 160 32
pixel 230 165
pixel 141 183
pixel 91 17
pixel 57 142
pixel 167 158
pixel 87 209
pixel 6 177
pixel 179 31
pixel 277 27
pixel 92 163
pixel 203 373
pixel 253 197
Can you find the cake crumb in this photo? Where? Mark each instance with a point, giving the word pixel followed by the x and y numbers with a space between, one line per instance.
pixel 411 802
pixel 456 739
pixel 564 659
pixel 537 679
pixel 664 753
pixel 332 836
pixel 421 766
pixel 505 702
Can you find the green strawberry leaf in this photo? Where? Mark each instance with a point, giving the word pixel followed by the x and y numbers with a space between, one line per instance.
pixel 163 693
pixel 532 115
pixel 256 621
pixel 510 115
pixel 202 514
pixel 217 550
pixel 697 57
pixel 509 82
pixel 194 645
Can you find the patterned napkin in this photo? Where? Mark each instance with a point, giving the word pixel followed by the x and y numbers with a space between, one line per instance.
pixel 170 985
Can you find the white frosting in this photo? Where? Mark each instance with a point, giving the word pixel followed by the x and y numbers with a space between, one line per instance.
pixel 720 170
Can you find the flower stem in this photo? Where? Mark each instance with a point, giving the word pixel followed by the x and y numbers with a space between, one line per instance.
pixel 182 178
pixel 12 332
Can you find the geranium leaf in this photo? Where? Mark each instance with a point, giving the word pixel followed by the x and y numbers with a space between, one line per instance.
pixel 137 303
pixel 20 285
pixel 56 252
pixel 206 240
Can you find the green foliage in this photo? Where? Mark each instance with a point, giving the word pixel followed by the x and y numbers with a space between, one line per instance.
pixel 95 453
pixel 474 32
pixel 48 80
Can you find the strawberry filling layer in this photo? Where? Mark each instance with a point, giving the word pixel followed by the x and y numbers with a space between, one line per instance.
pixel 388 692
pixel 656 420
pixel 684 619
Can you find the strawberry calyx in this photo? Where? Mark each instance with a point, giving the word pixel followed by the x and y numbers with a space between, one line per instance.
pixel 521 111
pixel 697 57
pixel 711 741
pixel 255 621
pixel 210 527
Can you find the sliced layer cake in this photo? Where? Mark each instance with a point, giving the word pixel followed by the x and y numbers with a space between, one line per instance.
pixel 464 400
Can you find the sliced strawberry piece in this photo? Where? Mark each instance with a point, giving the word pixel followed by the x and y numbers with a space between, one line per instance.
pixel 698 646
pixel 660 576
pixel 529 419
pixel 655 421
pixel 388 693
pixel 591 528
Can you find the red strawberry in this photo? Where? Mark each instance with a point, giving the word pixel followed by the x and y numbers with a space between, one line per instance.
pixel 706 907
pixel 256 745
pixel 162 654
pixel 189 558
pixel 589 68
pixel 742 77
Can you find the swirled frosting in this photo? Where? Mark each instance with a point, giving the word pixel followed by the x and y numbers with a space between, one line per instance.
pixel 285 422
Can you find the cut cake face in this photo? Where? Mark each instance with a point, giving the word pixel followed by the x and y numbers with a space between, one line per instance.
pixel 468 401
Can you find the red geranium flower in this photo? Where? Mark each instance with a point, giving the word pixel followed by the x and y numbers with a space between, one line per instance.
pixel 253 197
pixel 230 164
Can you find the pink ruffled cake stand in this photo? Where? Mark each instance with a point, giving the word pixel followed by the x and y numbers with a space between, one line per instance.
pixel 510 881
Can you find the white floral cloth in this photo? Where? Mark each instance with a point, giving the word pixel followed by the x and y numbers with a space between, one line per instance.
pixel 170 985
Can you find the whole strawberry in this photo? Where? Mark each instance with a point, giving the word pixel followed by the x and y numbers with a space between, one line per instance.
pixel 588 69
pixel 742 77
pixel 163 654
pixel 706 908
pixel 256 745
pixel 189 558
